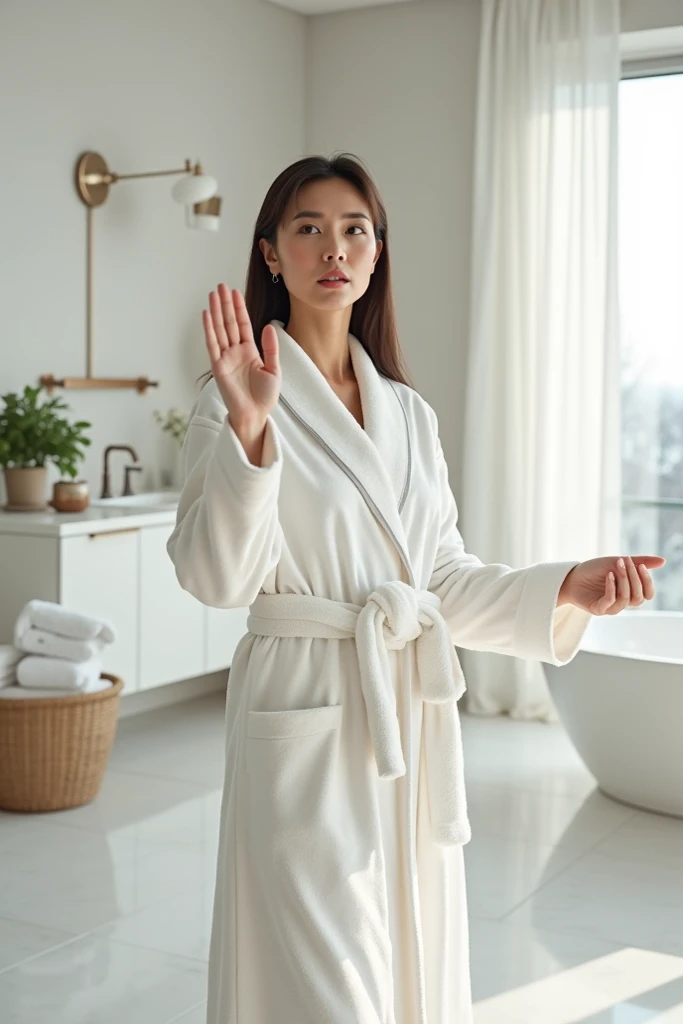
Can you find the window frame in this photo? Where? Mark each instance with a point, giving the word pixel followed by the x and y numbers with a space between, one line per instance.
pixel 649 54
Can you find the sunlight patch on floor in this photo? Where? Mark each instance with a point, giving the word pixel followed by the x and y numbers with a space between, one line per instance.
pixel 571 996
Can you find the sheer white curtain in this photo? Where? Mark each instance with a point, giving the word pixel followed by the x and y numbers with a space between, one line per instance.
pixel 542 459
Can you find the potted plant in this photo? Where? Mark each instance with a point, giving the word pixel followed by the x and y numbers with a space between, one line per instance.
pixel 174 424
pixel 31 435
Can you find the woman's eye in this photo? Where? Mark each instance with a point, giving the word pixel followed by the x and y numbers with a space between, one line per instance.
pixel 304 230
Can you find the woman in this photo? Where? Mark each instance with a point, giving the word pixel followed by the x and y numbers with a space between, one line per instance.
pixel 316 492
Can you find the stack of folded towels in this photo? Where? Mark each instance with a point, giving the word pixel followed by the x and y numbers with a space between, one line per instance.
pixel 56 652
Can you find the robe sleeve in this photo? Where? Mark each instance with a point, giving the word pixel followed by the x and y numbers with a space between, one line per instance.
pixel 496 608
pixel 227 537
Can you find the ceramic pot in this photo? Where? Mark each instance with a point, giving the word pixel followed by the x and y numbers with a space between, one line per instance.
pixel 26 487
pixel 70 496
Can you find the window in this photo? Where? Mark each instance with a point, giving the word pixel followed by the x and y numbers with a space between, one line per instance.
pixel 651 315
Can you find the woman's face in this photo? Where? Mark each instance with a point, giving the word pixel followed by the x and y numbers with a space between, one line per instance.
pixel 327 228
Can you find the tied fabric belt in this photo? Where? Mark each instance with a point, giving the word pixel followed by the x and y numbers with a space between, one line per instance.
pixel 394 615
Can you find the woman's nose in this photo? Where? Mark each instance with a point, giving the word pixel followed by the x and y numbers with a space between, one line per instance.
pixel 335 251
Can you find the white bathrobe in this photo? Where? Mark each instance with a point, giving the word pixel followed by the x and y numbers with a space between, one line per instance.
pixel 340 894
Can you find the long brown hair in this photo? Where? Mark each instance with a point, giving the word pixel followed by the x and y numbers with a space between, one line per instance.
pixel 373 318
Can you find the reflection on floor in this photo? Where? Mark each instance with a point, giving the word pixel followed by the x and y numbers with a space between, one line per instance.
pixel 576 902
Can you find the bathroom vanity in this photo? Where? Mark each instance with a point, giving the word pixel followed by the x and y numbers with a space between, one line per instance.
pixel 110 561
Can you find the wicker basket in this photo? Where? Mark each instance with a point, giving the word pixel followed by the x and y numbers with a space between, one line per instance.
pixel 54 750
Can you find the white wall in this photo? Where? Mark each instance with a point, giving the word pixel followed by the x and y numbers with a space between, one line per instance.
pixel 637 15
pixel 397 86
pixel 147 85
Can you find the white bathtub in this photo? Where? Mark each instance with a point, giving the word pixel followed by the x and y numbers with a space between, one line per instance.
pixel 621 702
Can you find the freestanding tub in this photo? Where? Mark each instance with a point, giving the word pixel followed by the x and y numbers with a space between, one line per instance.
pixel 621 701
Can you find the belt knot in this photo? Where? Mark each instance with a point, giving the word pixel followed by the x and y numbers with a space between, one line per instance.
pixel 393 615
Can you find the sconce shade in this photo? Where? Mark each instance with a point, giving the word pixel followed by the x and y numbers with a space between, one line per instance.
pixel 194 188
pixel 205 216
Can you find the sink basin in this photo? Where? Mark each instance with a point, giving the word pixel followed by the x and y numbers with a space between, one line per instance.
pixel 151 499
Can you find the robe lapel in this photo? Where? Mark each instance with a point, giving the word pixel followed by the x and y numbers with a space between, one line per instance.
pixel 377 458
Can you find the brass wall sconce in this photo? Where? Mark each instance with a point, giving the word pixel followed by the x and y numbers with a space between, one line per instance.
pixel 196 191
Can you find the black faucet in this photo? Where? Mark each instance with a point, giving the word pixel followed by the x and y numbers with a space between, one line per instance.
pixel 106 492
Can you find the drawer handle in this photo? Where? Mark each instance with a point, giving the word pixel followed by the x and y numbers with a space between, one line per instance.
pixel 110 533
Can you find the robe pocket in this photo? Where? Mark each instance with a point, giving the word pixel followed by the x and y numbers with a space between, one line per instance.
pixel 292 772
pixel 288 724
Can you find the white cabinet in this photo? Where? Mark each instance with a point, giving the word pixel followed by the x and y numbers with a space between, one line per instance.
pixel 224 629
pixel 99 576
pixel 172 622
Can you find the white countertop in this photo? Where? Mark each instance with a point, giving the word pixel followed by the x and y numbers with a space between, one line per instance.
pixel 95 519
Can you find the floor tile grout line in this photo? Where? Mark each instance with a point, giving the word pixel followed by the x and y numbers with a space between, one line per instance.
pixel 561 871
pixel 43 952
pixel 102 938
pixel 152 949
pixel 565 933
pixel 189 1009
pixel 556 844
pixel 49 819
pixel 169 778
pixel 113 769
pixel 87 932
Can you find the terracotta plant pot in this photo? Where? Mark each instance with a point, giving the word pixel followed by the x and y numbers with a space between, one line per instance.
pixel 26 488
pixel 70 496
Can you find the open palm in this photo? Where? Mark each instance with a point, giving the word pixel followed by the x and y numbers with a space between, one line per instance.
pixel 602 586
pixel 249 384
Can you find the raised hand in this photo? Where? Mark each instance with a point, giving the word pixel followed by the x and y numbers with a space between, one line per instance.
pixel 607 585
pixel 249 385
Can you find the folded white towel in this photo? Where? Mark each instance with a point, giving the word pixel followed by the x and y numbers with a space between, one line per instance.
pixel 49 673
pixel 14 692
pixel 58 619
pixel 9 656
pixel 9 659
pixel 41 641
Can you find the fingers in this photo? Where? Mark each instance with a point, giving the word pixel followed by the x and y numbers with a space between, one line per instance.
pixel 650 561
pixel 227 321
pixel 227 310
pixel 623 592
pixel 617 591
pixel 218 327
pixel 609 597
pixel 635 584
pixel 648 585
pixel 244 328
pixel 629 585
pixel 643 564
pixel 271 349
pixel 211 340
pixel 223 317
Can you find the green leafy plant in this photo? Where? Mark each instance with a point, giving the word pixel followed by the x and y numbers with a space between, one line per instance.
pixel 174 422
pixel 33 434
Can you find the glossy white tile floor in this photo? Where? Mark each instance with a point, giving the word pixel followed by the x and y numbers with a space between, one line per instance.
pixel 576 902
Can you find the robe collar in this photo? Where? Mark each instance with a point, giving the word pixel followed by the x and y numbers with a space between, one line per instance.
pixel 376 458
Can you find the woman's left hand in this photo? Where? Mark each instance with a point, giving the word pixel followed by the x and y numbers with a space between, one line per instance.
pixel 602 587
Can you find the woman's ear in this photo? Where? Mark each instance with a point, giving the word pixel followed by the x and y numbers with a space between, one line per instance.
pixel 378 250
pixel 269 255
